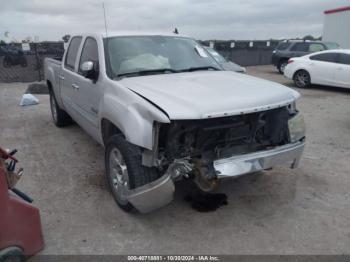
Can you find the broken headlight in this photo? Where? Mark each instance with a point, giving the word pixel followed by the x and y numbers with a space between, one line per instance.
pixel 296 127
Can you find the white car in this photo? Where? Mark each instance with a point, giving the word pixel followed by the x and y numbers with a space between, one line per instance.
pixel 331 67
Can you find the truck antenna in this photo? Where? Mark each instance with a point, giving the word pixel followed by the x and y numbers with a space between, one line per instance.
pixel 104 15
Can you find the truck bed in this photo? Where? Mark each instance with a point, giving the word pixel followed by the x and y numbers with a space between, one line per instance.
pixel 56 60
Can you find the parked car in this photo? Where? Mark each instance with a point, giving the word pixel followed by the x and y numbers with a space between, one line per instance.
pixel 330 68
pixel 164 109
pixel 226 65
pixel 289 49
pixel 13 56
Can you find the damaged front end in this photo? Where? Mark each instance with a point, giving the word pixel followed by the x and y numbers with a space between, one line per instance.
pixel 206 150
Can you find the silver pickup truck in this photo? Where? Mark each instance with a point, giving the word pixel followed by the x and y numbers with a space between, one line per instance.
pixel 164 109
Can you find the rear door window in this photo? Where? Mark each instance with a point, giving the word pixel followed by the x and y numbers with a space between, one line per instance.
pixel 316 47
pixel 344 59
pixel 300 47
pixel 72 53
pixel 282 46
pixel 326 57
pixel 331 45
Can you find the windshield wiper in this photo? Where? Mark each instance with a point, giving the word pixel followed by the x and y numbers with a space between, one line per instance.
pixel 147 72
pixel 191 69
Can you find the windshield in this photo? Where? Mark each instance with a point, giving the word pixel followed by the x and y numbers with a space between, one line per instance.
pixel 219 58
pixel 132 55
pixel 332 45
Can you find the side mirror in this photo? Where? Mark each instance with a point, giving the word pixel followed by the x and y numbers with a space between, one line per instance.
pixel 90 70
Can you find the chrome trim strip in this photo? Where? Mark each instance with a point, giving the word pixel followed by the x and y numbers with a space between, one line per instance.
pixel 257 161
pixel 153 195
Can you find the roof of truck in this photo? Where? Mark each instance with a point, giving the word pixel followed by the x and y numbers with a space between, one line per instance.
pixel 131 33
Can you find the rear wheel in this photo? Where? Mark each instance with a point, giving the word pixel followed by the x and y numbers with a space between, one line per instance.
pixel 59 116
pixel 302 79
pixel 124 169
pixel 282 65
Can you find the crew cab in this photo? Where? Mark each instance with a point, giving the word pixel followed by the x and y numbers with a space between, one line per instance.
pixel 164 109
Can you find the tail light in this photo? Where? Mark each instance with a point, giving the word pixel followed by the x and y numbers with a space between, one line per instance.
pixel 290 61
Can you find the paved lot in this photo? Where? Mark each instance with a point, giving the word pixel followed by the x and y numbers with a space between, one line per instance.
pixel 303 211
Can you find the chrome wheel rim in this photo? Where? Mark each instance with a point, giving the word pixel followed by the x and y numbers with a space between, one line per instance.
pixel 53 108
pixel 302 79
pixel 118 173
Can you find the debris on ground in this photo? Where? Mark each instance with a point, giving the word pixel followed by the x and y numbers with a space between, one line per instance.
pixel 28 99
pixel 37 88
pixel 204 201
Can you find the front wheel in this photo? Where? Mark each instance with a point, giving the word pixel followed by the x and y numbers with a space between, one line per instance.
pixel 302 79
pixel 124 169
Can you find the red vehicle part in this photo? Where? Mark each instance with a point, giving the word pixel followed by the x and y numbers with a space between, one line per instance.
pixel 20 225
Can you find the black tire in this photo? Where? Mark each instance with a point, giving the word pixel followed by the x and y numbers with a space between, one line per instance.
pixel 137 175
pixel 281 66
pixel 302 79
pixel 11 254
pixel 59 116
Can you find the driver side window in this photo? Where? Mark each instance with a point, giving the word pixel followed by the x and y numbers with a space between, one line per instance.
pixel 89 53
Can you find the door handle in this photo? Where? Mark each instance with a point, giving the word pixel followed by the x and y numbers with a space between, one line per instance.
pixel 339 68
pixel 75 86
pixel 61 77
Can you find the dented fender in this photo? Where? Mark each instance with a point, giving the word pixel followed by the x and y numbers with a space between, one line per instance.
pixel 133 115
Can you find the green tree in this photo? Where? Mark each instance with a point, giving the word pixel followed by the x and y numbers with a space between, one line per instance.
pixel 65 38
pixel 309 37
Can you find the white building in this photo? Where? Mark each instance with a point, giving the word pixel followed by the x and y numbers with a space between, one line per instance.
pixel 336 27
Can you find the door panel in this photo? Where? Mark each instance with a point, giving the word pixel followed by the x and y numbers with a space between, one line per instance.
pixel 67 75
pixel 322 68
pixel 322 73
pixel 299 49
pixel 342 71
pixel 89 91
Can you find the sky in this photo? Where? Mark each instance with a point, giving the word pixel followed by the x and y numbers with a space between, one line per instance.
pixel 201 19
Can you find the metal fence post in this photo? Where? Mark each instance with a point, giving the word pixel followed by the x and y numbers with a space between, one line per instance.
pixel 37 61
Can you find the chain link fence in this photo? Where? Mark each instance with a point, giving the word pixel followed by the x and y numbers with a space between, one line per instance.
pixel 245 53
pixel 24 62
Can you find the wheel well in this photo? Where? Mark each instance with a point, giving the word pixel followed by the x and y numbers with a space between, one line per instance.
pixel 301 70
pixel 108 129
pixel 283 59
pixel 49 85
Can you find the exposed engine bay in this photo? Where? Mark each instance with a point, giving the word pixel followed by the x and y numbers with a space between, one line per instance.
pixel 189 147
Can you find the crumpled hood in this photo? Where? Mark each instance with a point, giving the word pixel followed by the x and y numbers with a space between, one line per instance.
pixel 204 94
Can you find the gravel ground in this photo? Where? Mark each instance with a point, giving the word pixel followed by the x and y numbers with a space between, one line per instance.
pixel 301 211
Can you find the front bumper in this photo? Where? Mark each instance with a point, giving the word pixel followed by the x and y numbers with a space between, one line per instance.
pixel 160 192
pixel 152 196
pixel 257 161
